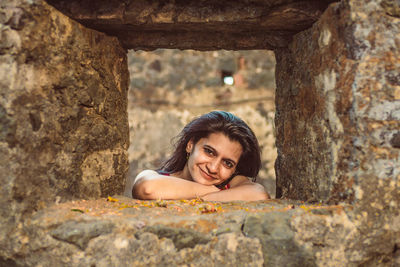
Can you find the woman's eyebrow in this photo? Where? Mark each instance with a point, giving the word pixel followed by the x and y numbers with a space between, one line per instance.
pixel 216 153
pixel 211 148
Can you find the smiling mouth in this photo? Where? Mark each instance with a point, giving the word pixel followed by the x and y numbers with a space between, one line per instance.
pixel 206 175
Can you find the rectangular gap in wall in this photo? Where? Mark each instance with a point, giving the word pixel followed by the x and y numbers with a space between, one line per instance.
pixel 170 87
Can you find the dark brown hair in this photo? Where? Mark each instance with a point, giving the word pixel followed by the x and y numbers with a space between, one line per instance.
pixel 218 122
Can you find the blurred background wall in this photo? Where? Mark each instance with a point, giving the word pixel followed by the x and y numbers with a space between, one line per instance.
pixel 168 88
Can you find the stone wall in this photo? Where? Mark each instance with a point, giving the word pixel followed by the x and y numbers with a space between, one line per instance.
pixel 64 128
pixel 338 106
pixel 338 119
pixel 171 87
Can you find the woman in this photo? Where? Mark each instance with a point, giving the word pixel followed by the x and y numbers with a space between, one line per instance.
pixel 214 156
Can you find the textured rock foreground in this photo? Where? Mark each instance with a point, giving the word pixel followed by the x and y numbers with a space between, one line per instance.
pixel 64 136
pixel 126 232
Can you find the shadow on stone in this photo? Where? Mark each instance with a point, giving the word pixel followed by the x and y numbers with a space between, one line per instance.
pixel 277 239
pixel 80 233
pixel 182 238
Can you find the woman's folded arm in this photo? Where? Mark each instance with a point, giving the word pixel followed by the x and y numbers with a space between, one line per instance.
pixel 151 185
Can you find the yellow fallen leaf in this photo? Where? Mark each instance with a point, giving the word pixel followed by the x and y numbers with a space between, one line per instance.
pixel 207 208
pixel 111 199
pixel 161 203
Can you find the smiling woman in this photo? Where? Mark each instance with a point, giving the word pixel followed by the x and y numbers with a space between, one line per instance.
pixel 217 158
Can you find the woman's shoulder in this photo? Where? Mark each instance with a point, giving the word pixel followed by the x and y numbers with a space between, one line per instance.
pixel 151 173
pixel 146 174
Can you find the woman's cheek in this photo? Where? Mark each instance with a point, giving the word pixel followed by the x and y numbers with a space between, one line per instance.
pixel 226 174
pixel 201 158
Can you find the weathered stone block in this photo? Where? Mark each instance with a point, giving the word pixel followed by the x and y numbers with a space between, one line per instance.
pixel 337 111
pixel 231 25
pixel 64 127
pixel 337 121
pixel 126 232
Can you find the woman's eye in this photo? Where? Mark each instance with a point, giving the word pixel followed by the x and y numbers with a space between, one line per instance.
pixel 229 164
pixel 208 151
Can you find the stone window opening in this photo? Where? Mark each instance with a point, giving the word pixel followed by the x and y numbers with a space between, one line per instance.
pixel 170 87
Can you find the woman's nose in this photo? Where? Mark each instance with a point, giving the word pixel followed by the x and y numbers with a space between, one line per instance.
pixel 212 166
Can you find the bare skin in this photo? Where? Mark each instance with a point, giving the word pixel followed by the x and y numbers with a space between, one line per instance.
pixel 212 160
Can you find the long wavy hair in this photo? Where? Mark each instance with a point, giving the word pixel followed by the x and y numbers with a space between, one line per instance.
pixel 218 122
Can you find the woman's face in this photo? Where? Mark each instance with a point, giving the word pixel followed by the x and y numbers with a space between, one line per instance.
pixel 213 159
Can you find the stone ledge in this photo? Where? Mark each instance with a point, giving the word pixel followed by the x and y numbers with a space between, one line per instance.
pixel 123 232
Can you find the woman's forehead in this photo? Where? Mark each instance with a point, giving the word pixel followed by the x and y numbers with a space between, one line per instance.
pixel 223 144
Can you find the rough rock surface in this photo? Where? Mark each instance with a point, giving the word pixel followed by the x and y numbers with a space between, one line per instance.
pixel 338 99
pixel 337 120
pixel 127 232
pixel 63 98
pixel 338 91
pixel 200 25
pixel 170 87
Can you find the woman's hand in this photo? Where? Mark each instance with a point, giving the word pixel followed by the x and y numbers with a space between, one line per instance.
pixel 241 189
